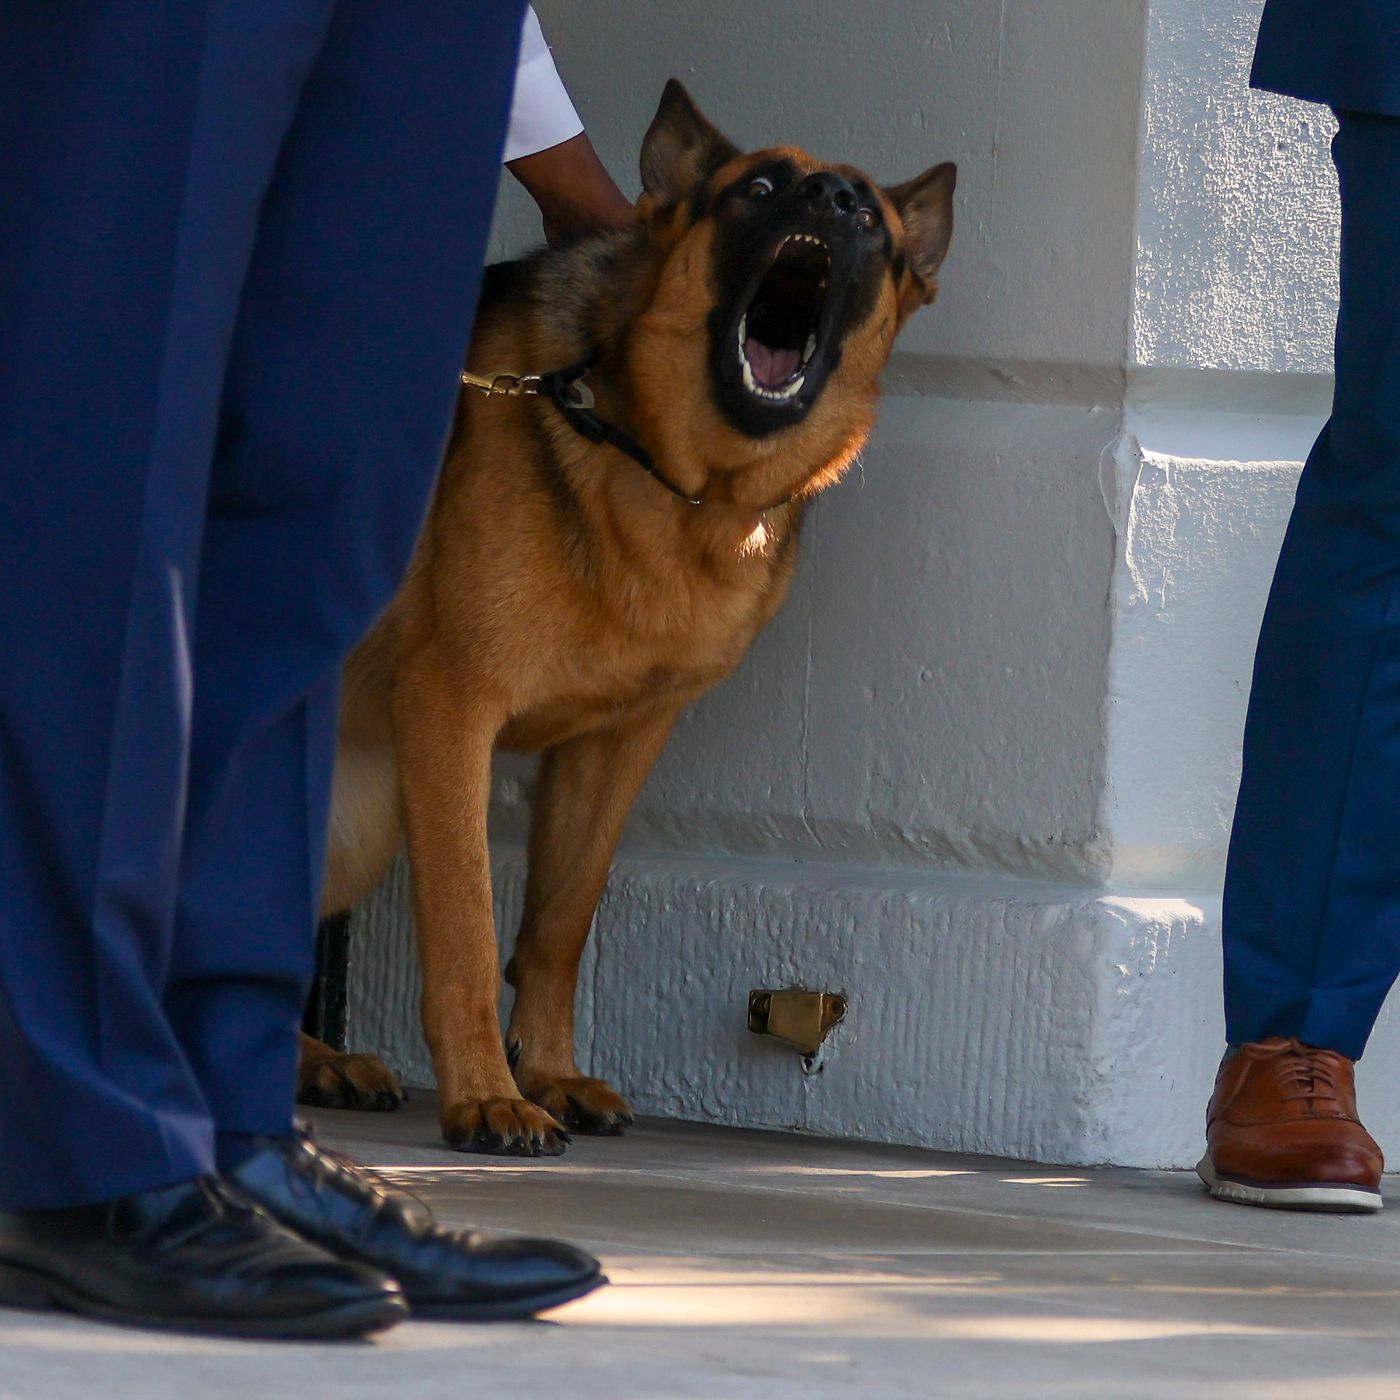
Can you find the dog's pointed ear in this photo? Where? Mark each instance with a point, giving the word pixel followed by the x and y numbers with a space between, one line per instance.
pixel 681 148
pixel 925 206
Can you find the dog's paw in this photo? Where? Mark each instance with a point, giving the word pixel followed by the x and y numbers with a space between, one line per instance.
pixel 502 1128
pixel 334 1080
pixel 582 1104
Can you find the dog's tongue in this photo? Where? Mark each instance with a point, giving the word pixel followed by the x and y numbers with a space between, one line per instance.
pixel 771 367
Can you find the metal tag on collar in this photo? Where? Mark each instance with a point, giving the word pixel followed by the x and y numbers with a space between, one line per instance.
pixel 582 395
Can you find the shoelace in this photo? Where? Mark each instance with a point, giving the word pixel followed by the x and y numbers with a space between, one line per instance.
pixel 1302 1073
pixel 368 1185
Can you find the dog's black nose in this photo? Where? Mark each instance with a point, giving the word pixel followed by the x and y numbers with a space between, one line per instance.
pixel 828 194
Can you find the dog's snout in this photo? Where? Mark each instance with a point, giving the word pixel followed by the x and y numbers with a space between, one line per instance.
pixel 828 193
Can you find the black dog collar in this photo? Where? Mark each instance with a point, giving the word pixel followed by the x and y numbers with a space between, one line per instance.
pixel 574 399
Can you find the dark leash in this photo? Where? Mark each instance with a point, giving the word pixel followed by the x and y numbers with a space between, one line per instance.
pixel 564 388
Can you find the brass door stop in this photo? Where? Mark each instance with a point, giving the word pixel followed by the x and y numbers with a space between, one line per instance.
pixel 798 1018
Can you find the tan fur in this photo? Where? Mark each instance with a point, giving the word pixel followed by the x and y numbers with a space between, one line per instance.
pixel 579 630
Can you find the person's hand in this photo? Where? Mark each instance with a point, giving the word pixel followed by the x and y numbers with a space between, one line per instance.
pixel 573 189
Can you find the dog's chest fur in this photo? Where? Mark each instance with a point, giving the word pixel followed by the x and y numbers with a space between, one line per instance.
pixel 600 670
pixel 572 614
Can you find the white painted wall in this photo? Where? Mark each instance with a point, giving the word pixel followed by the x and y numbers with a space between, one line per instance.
pixel 1237 210
pixel 1037 102
pixel 1229 381
pixel 963 571
pixel 978 774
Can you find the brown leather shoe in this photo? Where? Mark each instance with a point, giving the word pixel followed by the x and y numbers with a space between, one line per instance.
pixel 1282 1131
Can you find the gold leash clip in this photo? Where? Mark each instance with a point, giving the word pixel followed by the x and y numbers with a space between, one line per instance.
pixel 514 386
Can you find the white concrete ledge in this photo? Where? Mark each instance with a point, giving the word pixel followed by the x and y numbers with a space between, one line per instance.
pixel 1021 1019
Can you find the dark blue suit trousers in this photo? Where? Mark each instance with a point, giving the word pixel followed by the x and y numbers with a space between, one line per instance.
pixel 240 245
pixel 1345 53
pixel 1312 892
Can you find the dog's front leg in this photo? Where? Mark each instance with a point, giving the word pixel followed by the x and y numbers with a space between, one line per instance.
pixel 330 1078
pixel 445 736
pixel 586 789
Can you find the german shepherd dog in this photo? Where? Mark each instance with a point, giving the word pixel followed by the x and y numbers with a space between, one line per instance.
pixel 565 601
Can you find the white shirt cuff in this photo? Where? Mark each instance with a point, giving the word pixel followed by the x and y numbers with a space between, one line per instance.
pixel 541 114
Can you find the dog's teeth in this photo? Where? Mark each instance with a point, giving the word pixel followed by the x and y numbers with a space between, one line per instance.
pixel 750 383
pixel 788 391
pixel 811 347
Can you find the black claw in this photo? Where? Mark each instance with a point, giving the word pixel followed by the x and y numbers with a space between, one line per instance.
pixel 581 1118
pixel 488 1142
pixel 584 1120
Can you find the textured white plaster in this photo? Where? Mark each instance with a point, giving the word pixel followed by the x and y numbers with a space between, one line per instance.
pixel 960 574
pixel 930 694
pixel 1014 1017
pixel 1237 207
pixel 1196 559
pixel 1007 1016
pixel 1038 104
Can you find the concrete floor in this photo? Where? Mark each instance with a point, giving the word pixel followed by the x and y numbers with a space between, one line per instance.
pixel 758 1264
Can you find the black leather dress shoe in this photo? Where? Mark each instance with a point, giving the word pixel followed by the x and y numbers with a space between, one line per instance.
pixel 444 1273
pixel 191 1258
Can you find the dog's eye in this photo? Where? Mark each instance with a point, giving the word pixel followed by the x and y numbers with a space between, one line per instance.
pixel 866 218
pixel 759 186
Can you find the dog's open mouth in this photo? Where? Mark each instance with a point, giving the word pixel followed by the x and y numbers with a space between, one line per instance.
pixel 780 331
